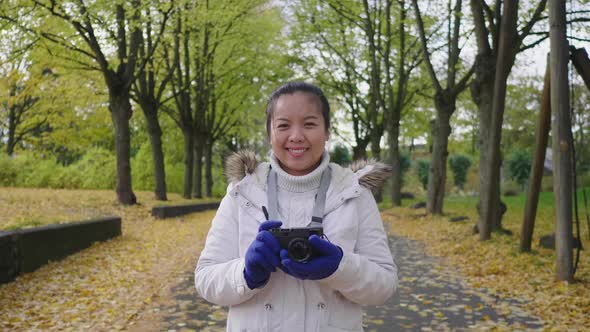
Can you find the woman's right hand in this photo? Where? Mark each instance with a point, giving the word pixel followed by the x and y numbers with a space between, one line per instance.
pixel 263 256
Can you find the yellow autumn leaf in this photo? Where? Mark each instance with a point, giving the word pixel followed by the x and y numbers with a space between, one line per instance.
pixel 105 286
pixel 496 267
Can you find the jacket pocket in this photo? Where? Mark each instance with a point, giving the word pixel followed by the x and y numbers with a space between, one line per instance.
pixel 344 314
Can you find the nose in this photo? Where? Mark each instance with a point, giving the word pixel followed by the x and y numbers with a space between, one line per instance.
pixel 296 134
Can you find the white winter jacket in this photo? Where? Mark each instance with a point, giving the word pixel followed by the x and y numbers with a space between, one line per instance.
pixel 366 275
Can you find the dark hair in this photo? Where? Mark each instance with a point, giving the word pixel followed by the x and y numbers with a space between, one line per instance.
pixel 291 88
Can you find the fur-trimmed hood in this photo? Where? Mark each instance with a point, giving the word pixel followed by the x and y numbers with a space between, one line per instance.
pixel 371 173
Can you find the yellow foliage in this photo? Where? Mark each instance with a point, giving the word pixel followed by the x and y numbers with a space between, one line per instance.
pixel 104 287
pixel 498 266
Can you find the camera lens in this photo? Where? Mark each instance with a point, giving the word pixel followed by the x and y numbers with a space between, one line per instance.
pixel 299 249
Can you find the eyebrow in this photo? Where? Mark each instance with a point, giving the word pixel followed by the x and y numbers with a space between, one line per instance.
pixel 305 118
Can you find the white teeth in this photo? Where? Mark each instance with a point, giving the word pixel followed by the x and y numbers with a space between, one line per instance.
pixel 296 150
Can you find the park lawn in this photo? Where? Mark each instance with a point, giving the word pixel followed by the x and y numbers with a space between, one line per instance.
pixel 111 284
pixel 497 264
pixel 31 207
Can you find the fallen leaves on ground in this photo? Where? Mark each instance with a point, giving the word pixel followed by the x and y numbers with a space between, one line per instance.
pixel 106 286
pixel 31 207
pixel 496 265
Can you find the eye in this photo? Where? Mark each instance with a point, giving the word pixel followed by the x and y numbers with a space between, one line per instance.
pixel 282 126
pixel 310 124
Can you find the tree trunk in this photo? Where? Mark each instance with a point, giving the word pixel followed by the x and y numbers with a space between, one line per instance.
pixel 155 133
pixel 188 162
pixel 10 144
pixel 198 175
pixel 120 108
pixel 444 101
pixel 375 147
pixel 359 152
pixel 482 92
pixel 581 63
pixel 438 165
pixel 395 102
pixel 536 176
pixel 209 169
pixel 498 42
pixel 374 106
pixel 562 158
pixel 396 179
pixel 505 58
pixel 489 187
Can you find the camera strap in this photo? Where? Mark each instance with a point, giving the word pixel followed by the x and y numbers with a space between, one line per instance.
pixel 320 197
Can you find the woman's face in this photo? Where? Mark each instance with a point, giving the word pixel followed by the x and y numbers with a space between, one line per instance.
pixel 298 132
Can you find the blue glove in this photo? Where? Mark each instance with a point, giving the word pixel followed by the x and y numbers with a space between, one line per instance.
pixel 319 267
pixel 262 257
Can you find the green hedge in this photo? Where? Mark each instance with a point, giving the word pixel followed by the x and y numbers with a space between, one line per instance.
pixel 95 170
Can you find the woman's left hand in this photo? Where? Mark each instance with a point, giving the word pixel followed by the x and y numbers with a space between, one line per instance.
pixel 319 267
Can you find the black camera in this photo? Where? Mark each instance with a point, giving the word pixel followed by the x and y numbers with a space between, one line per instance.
pixel 296 241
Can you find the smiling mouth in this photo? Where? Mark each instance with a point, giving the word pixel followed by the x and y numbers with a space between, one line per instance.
pixel 298 150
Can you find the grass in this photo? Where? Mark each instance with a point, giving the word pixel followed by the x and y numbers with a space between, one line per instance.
pixel 497 264
pixel 31 207
pixel 24 223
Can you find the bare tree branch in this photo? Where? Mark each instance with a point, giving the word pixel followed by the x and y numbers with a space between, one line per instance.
pixel 425 52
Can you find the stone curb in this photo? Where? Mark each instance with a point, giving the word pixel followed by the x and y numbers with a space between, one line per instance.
pixel 25 250
pixel 170 211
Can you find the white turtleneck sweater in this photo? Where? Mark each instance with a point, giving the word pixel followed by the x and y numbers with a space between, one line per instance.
pixel 296 194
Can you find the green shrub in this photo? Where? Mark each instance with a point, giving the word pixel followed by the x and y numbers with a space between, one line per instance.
pixel 511 188
pixel 142 168
pixel 341 155
pixel 96 170
pixel 68 178
pixel 422 170
pixel 24 163
pixel 404 164
pixel 459 165
pixel 8 171
pixel 30 170
pixel 175 177
pixel 583 178
pixel 42 174
pixel 519 166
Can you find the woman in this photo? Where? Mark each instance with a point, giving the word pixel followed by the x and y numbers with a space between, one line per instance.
pixel 243 265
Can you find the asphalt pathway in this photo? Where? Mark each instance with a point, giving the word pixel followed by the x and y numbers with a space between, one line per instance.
pixel 431 297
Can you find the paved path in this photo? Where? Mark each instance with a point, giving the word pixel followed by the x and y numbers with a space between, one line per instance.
pixel 430 296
